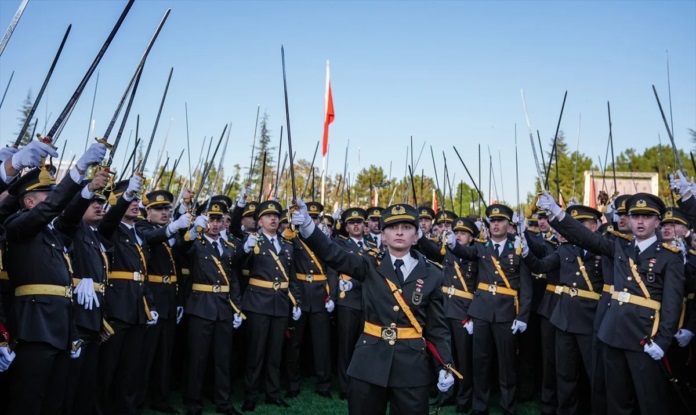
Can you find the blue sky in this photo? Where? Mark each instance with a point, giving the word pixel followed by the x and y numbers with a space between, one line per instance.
pixel 445 72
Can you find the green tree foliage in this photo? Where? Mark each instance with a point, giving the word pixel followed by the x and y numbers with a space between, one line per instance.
pixel 24 111
pixel 570 171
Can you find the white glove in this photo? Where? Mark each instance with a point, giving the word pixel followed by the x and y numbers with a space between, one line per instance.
pixel 300 216
pixel 445 380
pixel 547 203
pixel 653 350
pixel 241 200
pixel 251 242
pixel 679 182
pixel 179 314
pixel 325 229
pixel 683 337
pixel 155 317
pixel 345 285
pixel 573 201
pixel 94 155
pixel 451 239
pixel 611 210
pixel 6 358
pixel 515 217
pixel 237 321
pixel 469 326
pixel 202 222
pixel 135 185
pixel 179 224
pixel 329 306
pixel 7 152
pixel 518 326
pixel 74 354
pixel 525 245
pixel 86 296
pixel 296 313
pixel 337 214
pixel 31 155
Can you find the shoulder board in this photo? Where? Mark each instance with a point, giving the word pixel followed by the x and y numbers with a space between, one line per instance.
pixel 435 239
pixel 345 238
pixel 434 263
pixel 671 247
pixel 621 235
pixel 692 251
pixel 373 252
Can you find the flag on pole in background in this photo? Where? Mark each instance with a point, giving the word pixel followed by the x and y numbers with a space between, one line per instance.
pixel 328 114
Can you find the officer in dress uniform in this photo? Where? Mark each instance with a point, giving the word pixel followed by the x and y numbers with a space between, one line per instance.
pixel 316 283
pixel 129 303
pixel 79 222
pixel 425 220
pixel 459 286
pixel 645 305
pixel 374 232
pixel 271 294
pixel 578 292
pixel 404 314
pixel 348 296
pixel 500 308
pixel 161 238
pixel 39 268
pixel 212 307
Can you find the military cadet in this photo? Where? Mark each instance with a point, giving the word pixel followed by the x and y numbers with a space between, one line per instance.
pixel 330 223
pixel 645 306
pixel 459 286
pixel 425 220
pixel 348 296
pixel 212 307
pixel 544 299
pixel 403 315
pixel 577 291
pixel 39 269
pixel 271 294
pixel 129 304
pixel 374 232
pixel 500 308
pixel 316 283
pixel 283 222
pixel 160 237
pixel 243 219
pixel 444 220
pixel 79 222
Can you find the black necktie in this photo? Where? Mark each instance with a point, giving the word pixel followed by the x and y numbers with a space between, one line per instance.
pixel 497 252
pixel 397 268
pixel 274 245
pixel 135 235
pixel 360 245
pixel 637 251
pixel 215 247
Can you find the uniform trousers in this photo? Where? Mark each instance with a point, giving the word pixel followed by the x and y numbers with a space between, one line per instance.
pixel 598 379
pixel 634 377
pixel 573 351
pixel 157 362
pixel 265 336
pixel 490 338
pixel 81 391
pixel 365 398
pixel 120 369
pixel 350 325
pixel 320 330
pixel 549 397
pixel 38 377
pixel 462 343
pixel 206 337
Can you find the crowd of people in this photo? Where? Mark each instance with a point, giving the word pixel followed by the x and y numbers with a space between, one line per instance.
pixel 112 297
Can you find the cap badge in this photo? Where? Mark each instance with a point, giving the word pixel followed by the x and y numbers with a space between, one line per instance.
pixel 159 198
pixel 641 203
pixel 398 210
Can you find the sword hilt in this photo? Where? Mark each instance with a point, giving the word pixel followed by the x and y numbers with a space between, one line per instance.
pixel 103 141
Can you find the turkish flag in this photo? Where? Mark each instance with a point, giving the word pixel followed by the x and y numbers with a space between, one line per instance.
pixel 329 113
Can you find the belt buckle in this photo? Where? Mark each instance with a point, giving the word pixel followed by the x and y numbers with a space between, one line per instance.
pixel 167 279
pixel 558 290
pixel 216 288
pixel 137 276
pixel 276 285
pixel 573 292
pixel 492 288
pixel 624 297
pixel 310 278
pixel 101 287
pixel 450 290
pixel 68 291
pixel 388 333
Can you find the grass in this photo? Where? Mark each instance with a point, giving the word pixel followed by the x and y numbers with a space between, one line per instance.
pixel 309 403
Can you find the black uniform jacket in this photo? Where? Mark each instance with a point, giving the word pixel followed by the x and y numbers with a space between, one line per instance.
pixel 161 263
pixel 500 307
pixel 405 363
pixel 126 299
pixel 456 271
pixel 314 294
pixel 205 270
pixel 263 266
pixel 353 298
pixel 88 261
pixel 36 254
pixel 571 314
pixel 626 325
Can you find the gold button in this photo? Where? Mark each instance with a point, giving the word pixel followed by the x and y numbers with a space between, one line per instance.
pixel 496 272
pixel 391 342
pixel 577 273
pixel 364 341
pixel 392 325
pixel 625 289
pixel 629 279
pixel 575 284
pixel 396 308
